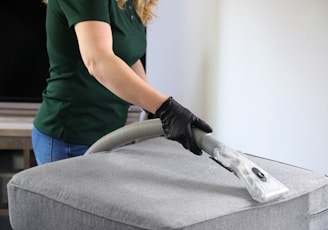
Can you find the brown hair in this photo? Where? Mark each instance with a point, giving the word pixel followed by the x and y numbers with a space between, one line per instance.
pixel 144 8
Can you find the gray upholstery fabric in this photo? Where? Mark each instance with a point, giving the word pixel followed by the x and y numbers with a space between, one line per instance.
pixel 156 184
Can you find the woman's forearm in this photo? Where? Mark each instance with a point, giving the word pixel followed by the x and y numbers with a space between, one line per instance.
pixel 119 78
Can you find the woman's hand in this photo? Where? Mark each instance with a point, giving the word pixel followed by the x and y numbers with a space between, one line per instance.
pixel 177 123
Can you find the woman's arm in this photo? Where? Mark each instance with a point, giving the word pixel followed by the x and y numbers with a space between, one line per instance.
pixel 95 43
pixel 139 70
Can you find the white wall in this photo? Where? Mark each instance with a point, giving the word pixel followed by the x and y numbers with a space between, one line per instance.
pixel 261 65
pixel 273 79
pixel 181 47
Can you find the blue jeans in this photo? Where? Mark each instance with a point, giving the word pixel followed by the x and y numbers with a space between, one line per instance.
pixel 47 149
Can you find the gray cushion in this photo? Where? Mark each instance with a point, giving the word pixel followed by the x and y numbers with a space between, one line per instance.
pixel 156 184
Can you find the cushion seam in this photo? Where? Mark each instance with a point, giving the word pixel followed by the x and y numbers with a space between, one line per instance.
pixel 250 207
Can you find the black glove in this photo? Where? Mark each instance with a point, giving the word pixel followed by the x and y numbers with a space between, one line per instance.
pixel 177 123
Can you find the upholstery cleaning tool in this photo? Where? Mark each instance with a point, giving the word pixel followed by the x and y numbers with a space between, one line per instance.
pixel 261 185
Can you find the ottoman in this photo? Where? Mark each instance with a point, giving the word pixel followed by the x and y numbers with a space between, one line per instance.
pixel 157 184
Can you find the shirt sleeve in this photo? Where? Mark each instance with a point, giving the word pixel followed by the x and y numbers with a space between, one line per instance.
pixel 85 10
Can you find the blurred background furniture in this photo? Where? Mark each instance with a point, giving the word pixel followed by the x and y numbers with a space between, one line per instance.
pixel 15 136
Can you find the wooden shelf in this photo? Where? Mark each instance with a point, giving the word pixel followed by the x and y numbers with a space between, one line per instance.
pixel 15 133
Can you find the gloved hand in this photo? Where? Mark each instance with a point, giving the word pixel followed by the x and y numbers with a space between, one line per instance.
pixel 177 123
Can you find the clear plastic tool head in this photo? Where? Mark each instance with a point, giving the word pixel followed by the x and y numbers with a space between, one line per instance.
pixel 261 185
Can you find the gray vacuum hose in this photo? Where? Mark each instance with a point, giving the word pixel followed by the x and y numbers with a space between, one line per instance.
pixel 144 129
pixel 260 184
pixel 128 133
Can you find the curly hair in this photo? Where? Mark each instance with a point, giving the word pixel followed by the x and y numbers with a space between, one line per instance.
pixel 144 8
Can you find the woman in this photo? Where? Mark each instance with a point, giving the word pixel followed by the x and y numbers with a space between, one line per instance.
pixel 94 50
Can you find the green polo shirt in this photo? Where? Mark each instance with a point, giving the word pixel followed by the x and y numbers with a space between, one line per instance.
pixel 75 107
